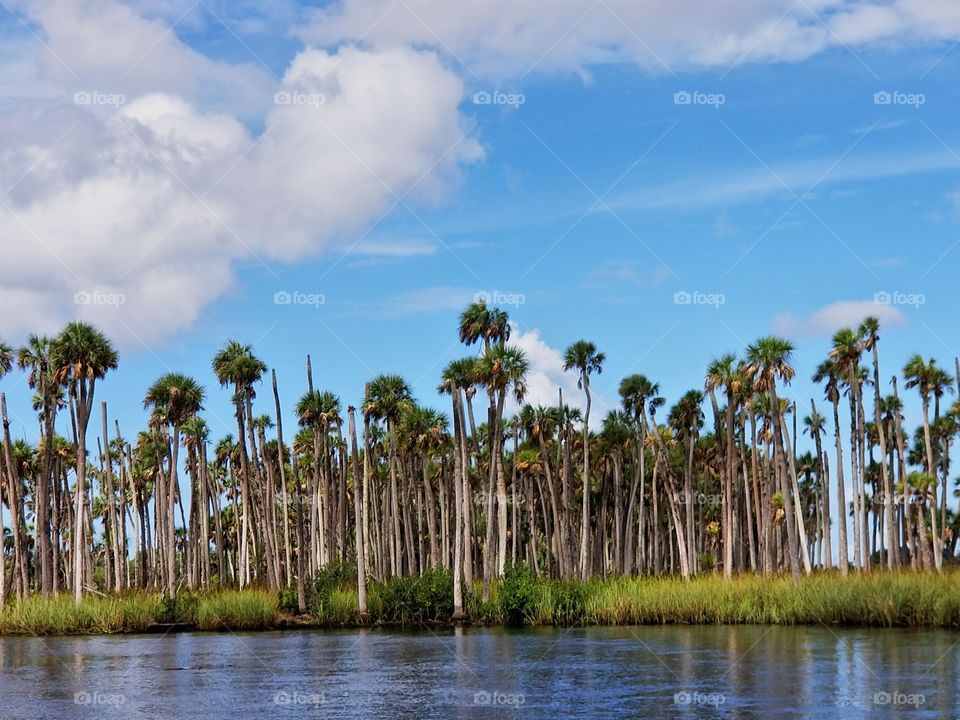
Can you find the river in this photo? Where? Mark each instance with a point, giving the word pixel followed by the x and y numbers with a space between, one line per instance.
pixel 625 672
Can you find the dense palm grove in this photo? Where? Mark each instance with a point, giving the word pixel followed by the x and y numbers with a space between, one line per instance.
pixel 397 488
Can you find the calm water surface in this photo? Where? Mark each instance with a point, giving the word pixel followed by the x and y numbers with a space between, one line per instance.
pixel 695 672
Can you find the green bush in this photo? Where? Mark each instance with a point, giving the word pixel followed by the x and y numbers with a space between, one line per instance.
pixel 427 598
pixel 325 583
pixel 518 594
pixel 569 604
pixel 179 609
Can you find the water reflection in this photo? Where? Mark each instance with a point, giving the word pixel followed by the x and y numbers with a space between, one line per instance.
pixel 696 672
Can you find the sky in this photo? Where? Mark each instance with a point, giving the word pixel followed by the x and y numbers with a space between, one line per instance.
pixel 669 179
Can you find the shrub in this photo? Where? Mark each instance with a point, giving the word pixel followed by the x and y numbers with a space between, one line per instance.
pixel 427 598
pixel 518 594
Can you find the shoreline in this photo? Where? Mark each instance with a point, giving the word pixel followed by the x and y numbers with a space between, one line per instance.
pixel 870 600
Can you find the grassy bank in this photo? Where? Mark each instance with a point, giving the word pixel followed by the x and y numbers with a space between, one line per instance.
pixel 139 612
pixel 872 600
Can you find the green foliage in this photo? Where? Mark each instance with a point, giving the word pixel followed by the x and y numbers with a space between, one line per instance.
pixel 250 609
pixel 325 583
pixel 518 594
pixel 179 609
pixel 427 598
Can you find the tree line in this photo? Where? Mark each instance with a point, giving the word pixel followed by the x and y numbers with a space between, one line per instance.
pixel 397 488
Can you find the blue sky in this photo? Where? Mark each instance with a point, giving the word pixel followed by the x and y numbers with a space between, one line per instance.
pixel 786 206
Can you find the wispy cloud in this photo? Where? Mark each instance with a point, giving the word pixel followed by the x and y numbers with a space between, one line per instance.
pixel 830 318
pixel 758 183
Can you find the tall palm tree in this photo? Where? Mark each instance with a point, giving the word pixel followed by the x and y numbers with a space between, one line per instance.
pixel 387 397
pixel 846 351
pixel 235 364
pixel 6 363
pixel 725 372
pixel 174 399
pixel 828 372
pixel 814 426
pixel 586 360
pixel 686 419
pixel 768 360
pixel 635 391
pixel 81 355
pixel 870 333
pixel 34 358
pixel 924 376
pixel 501 368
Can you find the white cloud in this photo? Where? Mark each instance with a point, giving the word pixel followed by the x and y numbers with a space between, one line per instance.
pixel 546 376
pixel 510 37
pixel 158 199
pixel 830 318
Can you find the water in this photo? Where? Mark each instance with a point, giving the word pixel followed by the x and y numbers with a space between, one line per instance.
pixel 696 672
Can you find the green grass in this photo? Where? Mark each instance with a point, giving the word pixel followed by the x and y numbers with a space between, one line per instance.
pixel 237 610
pixel 903 599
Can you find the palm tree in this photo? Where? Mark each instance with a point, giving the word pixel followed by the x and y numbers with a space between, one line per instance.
pixel 479 322
pixel 34 357
pixel 725 372
pixel 870 332
pixel 924 376
pixel 686 419
pixel 635 392
pixel 829 373
pixel 583 356
pixel 387 397
pixel 768 360
pixel 174 399
pixel 814 426
pixel 6 363
pixel 500 368
pixel 81 355
pixel 846 351
pixel 235 364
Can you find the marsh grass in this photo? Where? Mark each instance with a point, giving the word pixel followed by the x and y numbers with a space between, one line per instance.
pixel 251 609
pixel 903 599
